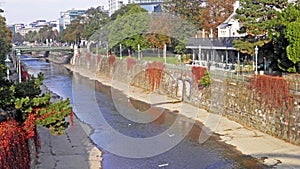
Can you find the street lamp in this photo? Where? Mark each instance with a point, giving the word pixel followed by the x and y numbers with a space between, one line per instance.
pixel 19 64
pixel 7 61
pixel 256 53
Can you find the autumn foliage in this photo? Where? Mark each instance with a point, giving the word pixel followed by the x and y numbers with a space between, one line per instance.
pixel 98 58
pixel 130 63
pixel 273 91
pixel 88 57
pixel 14 152
pixel 198 73
pixel 154 74
pixel 111 60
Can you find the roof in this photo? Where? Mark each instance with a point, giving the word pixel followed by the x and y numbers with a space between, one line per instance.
pixel 214 43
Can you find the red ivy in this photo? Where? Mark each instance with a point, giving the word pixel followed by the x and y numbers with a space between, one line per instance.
pixel 130 63
pixel 78 53
pixel 154 74
pixel 274 91
pixel 111 60
pixel 198 73
pixel 72 120
pixel 98 58
pixel 88 56
pixel 24 74
pixel 14 152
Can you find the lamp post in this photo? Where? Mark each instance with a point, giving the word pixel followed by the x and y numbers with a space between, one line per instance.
pixel 256 53
pixel 7 61
pixel 19 64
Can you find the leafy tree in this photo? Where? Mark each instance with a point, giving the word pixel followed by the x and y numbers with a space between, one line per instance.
pixel 287 38
pixel 5 39
pixel 189 10
pixel 257 18
pixel 95 18
pixel 74 31
pixel 47 33
pixel 32 36
pixel 129 28
pixel 17 38
pixel 216 12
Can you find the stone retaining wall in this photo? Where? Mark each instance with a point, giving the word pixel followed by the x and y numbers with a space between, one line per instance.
pixel 233 98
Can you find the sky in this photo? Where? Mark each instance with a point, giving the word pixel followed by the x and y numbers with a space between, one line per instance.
pixel 26 11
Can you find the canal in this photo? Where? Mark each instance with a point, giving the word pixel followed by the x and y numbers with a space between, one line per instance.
pixel 93 104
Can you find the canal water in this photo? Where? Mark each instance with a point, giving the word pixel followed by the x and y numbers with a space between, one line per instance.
pixel 93 104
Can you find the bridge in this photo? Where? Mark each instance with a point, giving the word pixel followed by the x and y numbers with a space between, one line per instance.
pixel 43 48
pixel 148 2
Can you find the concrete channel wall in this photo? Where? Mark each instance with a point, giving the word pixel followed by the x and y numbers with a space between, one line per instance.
pixel 230 96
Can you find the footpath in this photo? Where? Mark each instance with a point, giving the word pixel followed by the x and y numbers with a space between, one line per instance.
pixel 269 150
pixel 73 150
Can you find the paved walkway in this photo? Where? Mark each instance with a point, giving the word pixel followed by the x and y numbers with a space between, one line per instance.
pixel 270 150
pixel 74 150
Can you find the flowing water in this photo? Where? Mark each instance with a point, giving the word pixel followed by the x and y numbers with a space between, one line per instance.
pixel 93 104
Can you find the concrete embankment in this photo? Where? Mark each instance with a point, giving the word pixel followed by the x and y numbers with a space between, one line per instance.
pixel 73 150
pixel 269 150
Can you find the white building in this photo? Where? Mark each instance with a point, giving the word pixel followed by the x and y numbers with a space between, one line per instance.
pixel 231 26
pixel 117 4
pixel 68 16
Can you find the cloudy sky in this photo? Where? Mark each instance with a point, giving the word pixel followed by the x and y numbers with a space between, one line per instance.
pixel 26 11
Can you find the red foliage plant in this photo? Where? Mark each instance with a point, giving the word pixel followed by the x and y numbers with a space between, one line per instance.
pixel 78 53
pixel 88 56
pixel 111 60
pixel 14 152
pixel 273 91
pixel 198 73
pixel 154 74
pixel 130 63
pixel 98 58
pixel 24 74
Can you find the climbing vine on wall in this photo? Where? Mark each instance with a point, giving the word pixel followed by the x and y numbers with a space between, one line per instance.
pixel 111 60
pixel 130 63
pixel 154 74
pixel 198 73
pixel 273 91
pixel 88 56
pixel 98 58
pixel 14 152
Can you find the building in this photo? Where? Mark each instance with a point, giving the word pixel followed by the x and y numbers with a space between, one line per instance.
pixel 231 26
pixel 68 16
pixel 16 27
pixel 149 5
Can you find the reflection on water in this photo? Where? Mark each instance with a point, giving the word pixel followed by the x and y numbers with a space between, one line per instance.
pixel 188 154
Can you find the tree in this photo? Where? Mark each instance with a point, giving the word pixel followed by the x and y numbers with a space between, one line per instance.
pixel 32 36
pixel 256 18
pixel 287 38
pixel 17 38
pixel 5 39
pixel 46 33
pixel 216 12
pixel 189 10
pixel 95 18
pixel 129 27
pixel 74 31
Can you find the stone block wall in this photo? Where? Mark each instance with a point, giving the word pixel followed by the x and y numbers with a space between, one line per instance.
pixel 231 97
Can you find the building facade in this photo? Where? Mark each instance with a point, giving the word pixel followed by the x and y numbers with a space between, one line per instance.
pixel 68 16
pixel 231 26
pixel 150 5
